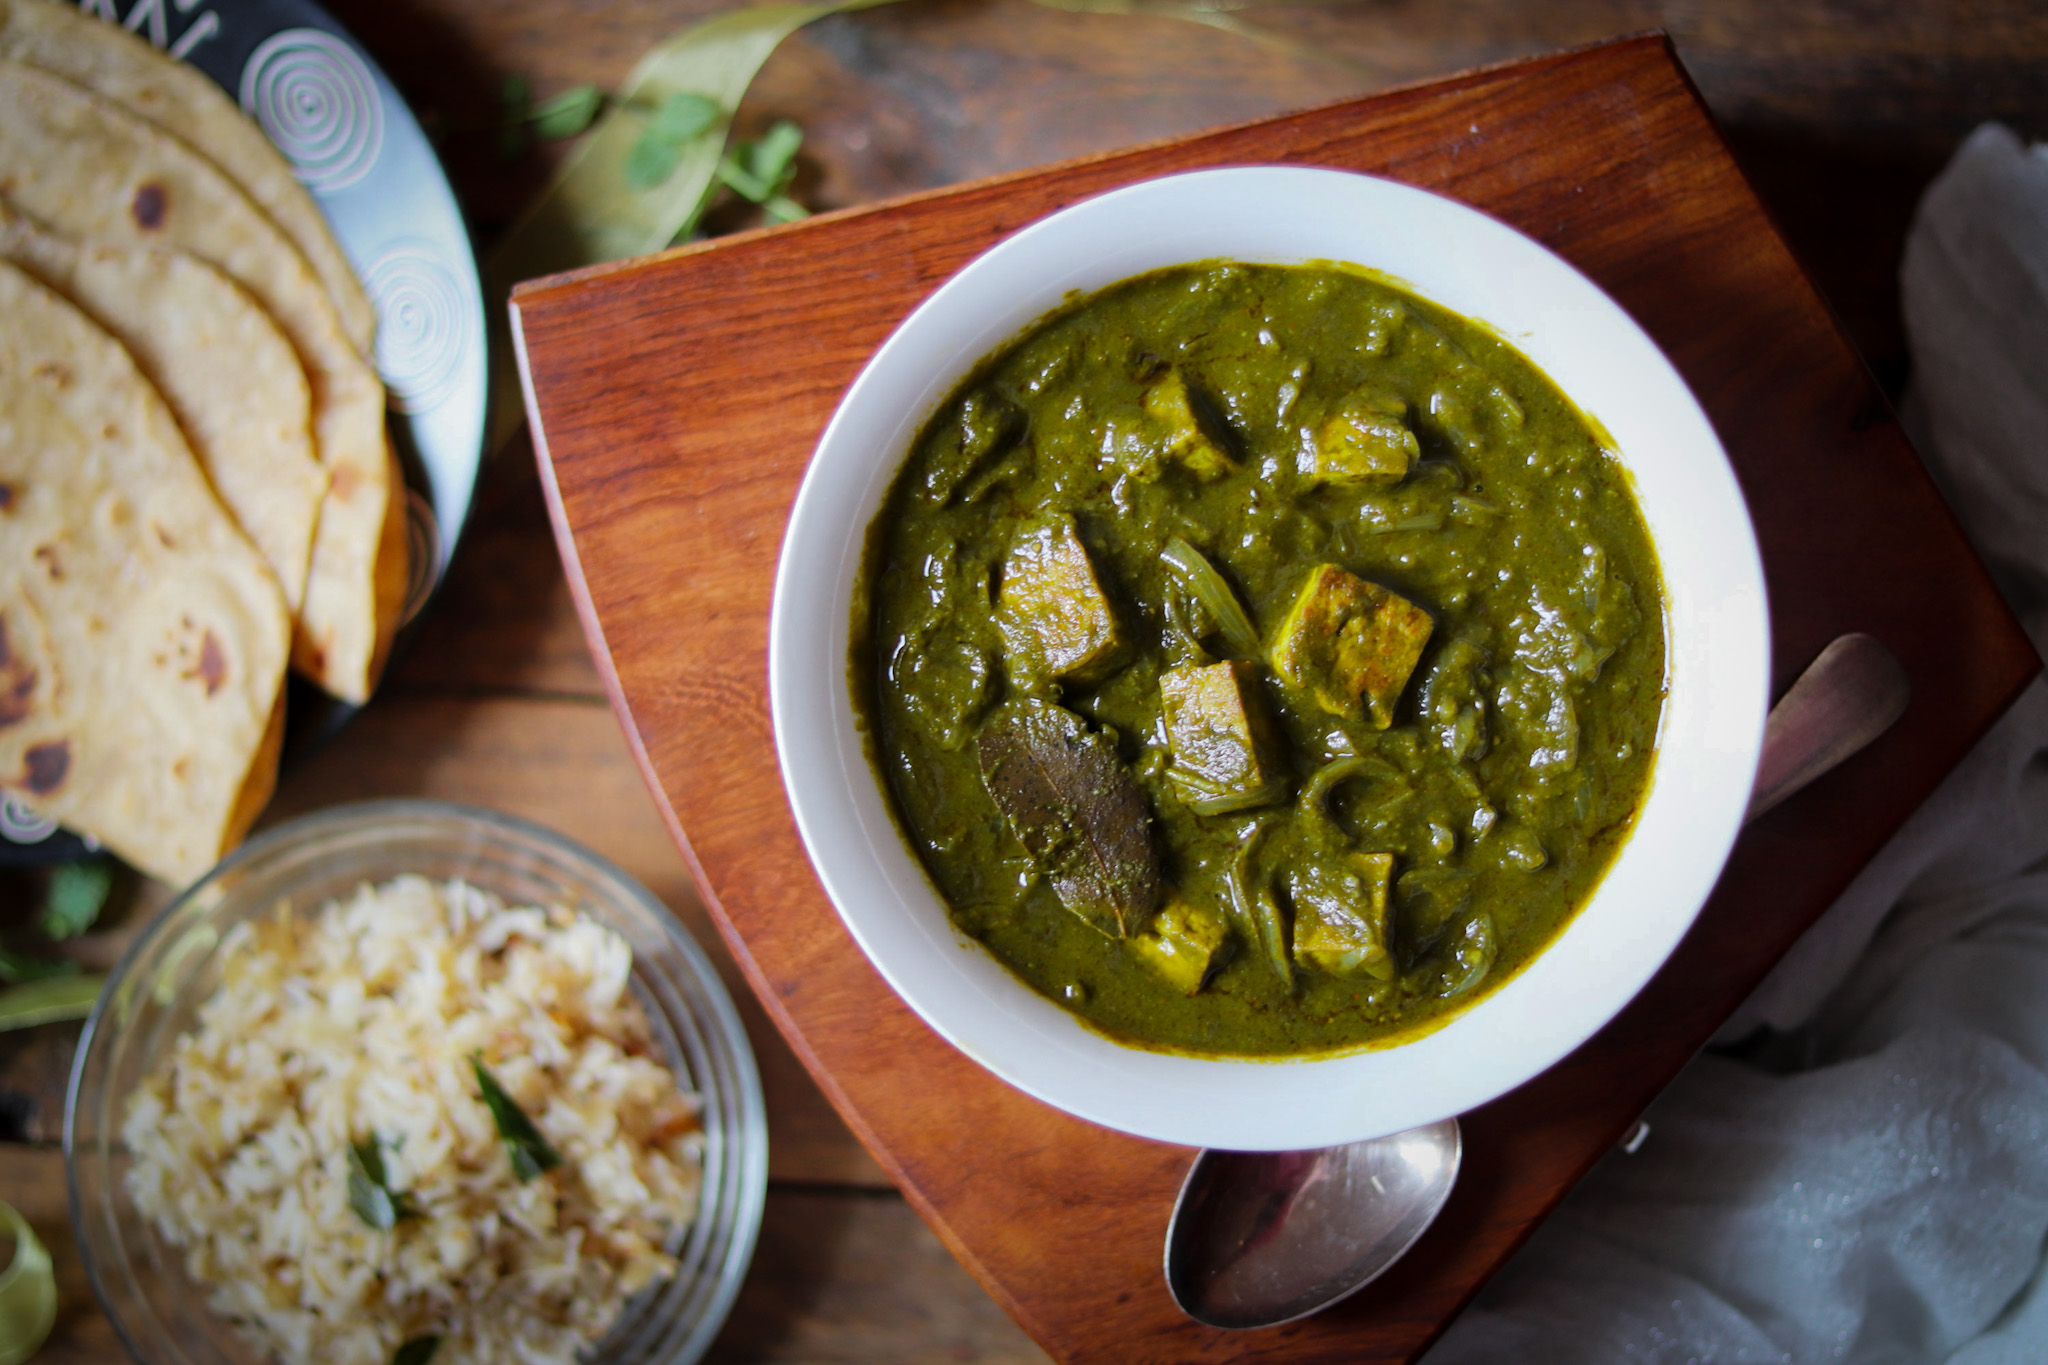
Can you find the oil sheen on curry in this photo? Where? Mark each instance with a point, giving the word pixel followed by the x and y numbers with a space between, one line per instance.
pixel 1263 660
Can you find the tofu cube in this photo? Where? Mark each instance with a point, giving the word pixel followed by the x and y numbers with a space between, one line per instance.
pixel 1340 916
pixel 1188 431
pixel 1227 752
pixel 1185 944
pixel 1350 644
pixel 1055 617
pixel 1365 443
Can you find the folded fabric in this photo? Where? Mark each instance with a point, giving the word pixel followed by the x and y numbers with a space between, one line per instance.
pixel 1872 1185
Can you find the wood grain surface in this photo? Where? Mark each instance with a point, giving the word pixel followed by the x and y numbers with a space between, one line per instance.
pixel 1838 112
pixel 677 400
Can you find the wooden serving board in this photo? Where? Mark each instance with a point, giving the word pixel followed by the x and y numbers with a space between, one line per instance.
pixel 676 399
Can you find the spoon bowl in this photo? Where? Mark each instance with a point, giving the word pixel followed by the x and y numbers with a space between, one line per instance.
pixel 1262 1238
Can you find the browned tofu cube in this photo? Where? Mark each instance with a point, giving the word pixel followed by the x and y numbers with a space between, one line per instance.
pixel 1187 431
pixel 1054 614
pixel 1340 916
pixel 1364 443
pixel 1226 750
pixel 1350 644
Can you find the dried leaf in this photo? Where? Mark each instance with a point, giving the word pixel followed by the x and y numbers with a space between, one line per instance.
pixel 52 1001
pixel 593 212
pixel 1076 809
pixel 28 1291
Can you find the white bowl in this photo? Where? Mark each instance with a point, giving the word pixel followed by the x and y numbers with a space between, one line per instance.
pixel 1717 652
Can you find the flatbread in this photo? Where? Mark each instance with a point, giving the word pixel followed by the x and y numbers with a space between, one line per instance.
pixel 229 375
pixel 142 639
pixel 125 69
pixel 90 169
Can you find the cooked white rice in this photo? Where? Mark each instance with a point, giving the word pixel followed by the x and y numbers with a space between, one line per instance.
pixel 357 1024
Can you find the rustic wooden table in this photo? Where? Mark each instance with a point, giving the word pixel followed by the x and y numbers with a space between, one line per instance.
pixel 1838 112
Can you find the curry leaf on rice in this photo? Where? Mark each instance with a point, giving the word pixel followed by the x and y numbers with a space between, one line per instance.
pixel 530 1153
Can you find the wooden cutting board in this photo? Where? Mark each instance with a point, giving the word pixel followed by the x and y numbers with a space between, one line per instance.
pixel 676 399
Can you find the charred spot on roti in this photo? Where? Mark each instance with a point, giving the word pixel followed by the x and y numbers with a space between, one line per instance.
pixel 195 654
pixel 56 376
pixel 212 668
pixel 47 554
pixel 6 497
pixel 164 538
pixel 343 481
pixel 148 206
pixel 45 766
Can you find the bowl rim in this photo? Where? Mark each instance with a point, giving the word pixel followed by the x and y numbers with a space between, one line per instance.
pixel 748 1184
pixel 860 861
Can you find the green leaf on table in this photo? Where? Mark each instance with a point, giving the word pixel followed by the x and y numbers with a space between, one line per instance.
pixel 529 1151
pixel 593 212
pixel 680 119
pixel 568 113
pixel 50 1001
pixel 416 1350
pixel 77 893
pixel 369 1190
pixel 16 968
pixel 761 171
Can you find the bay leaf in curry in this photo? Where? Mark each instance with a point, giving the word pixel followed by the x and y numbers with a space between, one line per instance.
pixel 1070 801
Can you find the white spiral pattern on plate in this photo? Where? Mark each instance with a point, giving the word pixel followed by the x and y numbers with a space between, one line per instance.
pixel 423 327
pixel 316 100
pixel 20 825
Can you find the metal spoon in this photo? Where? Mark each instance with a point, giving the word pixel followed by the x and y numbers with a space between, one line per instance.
pixel 1262 1238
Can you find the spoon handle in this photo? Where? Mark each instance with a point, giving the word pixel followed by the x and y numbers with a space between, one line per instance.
pixel 1845 699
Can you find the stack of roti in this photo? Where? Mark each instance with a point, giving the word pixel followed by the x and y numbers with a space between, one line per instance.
pixel 195 481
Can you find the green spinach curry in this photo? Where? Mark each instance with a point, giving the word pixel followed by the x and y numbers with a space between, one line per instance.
pixel 1263 660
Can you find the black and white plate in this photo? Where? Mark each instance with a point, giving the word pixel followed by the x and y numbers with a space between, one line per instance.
pixel 358 150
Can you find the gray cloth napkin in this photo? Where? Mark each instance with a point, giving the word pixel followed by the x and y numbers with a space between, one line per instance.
pixel 1873 1188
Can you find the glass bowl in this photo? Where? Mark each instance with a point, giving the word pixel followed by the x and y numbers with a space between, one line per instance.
pixel 154 994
